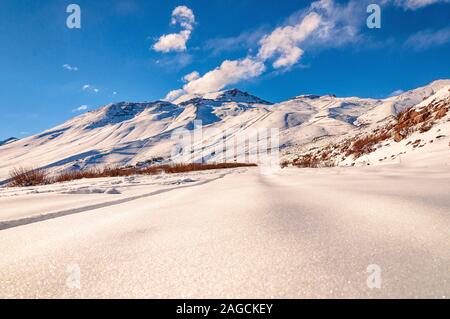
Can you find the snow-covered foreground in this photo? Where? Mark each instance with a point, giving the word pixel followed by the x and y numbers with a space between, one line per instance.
pixel 231 233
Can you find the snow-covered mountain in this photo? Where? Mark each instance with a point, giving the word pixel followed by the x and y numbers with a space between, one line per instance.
pixel 233 95
pixel 129 133
pixel 419 133
pixel 8 141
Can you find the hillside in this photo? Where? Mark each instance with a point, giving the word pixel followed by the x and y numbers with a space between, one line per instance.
pixel 128 133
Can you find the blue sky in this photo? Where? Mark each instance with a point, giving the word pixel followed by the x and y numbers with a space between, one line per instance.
pixel 48 71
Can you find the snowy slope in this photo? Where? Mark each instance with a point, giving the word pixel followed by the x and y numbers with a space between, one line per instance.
pixel 421 147
pixel 395 104
pixel 8 141
pixel 127 133
pixel 420 135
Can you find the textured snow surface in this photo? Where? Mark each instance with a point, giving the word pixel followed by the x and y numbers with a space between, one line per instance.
pixel 232 233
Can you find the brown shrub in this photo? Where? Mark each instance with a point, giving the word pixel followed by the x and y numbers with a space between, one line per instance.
pixel 115 171
pixel 31 177
pixel 441 112
pixel 365 145
pixel 108 171
pixel 425 127
pixel 421 117
pixel 406 122
pixel 75 175
pixel 182 168
pixel 284 164
pixel 307 160
pixel 403 115
pixel 23 177
pixel 398 137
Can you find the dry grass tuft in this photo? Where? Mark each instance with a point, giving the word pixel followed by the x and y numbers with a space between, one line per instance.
pixel 366 144
pixel 24 177
pixel 183 168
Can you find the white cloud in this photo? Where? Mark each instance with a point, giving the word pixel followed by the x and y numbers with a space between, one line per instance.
pixel 323 24
pixel 80 108
pixel 426 39
pixel 69 67
pixel 283 42
pixel 229 72
pixel 191 76
pixel 173 42
pixel 415 4
pixel 183 16
pixel 89 87
pixel 173 95
pixel 340 23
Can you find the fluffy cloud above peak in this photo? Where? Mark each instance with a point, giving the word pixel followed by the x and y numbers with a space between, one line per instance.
pixel 173 95
pixel 283 42
pixel 229 72
pixel 172 42
pixel 324 23
pixel 183 16
pixel 191 76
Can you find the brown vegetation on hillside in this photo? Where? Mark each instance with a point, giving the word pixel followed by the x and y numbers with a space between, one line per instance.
pixel 22 177
pixel 405 123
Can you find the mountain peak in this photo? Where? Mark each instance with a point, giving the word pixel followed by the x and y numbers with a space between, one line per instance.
pixel 235 92
pixel 232 95
pixel 314 96
pixel 236 95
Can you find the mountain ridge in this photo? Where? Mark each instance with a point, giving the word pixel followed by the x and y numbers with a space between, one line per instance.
pixel 126 133
pixel 8 140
